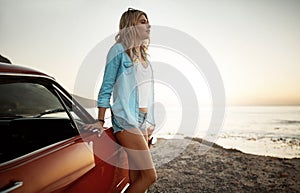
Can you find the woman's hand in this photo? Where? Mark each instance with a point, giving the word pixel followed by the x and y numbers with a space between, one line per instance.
pixel 95 127
pixel 150 131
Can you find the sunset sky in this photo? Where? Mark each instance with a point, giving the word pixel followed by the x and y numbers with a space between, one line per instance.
pixel 255 44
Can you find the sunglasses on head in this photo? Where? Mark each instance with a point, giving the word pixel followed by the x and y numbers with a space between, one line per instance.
pixel 132 10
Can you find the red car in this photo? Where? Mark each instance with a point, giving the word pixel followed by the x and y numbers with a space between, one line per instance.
pixel 43 146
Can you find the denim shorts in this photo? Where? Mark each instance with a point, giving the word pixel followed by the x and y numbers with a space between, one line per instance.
pixel 142 123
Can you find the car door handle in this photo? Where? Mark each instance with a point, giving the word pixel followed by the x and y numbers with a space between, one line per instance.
pixel 13 187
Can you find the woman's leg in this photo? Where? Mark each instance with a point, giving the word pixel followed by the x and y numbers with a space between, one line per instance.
pixel 145 134
pixel 139 157
pixel 135 174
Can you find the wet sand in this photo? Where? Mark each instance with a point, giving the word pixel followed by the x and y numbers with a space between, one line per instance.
pixel 182 167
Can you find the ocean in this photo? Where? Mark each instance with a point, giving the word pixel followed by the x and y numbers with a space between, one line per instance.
pixel 262 130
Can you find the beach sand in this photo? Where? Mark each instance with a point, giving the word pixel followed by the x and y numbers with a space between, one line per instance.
pixel 181 167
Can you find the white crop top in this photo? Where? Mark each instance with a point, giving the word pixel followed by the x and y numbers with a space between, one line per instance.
pixel 143 77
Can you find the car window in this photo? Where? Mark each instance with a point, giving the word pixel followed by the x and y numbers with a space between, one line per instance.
pixel 78 113
pixel 26 100
pixel 32 116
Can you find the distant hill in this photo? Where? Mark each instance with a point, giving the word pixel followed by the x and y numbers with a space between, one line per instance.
pixel 4 59
pixel 85 102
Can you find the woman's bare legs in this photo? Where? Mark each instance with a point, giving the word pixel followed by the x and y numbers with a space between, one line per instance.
pixel 135 174
pixel 143 173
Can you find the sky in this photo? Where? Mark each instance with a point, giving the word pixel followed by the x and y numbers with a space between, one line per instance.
pixel 255 44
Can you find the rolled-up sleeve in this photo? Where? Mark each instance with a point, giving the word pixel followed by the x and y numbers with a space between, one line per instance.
pixel 113 61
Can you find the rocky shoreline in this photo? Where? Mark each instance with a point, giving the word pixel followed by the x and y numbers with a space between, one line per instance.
pixel 183 166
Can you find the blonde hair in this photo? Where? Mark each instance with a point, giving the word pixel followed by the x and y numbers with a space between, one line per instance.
pixel 128 35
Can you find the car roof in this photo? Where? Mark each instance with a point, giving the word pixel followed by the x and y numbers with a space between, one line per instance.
pixel 20 70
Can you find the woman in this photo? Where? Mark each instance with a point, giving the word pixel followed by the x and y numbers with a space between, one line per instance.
pixel 128 75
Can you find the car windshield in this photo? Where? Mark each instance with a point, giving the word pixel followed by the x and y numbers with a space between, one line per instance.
pixel 21 99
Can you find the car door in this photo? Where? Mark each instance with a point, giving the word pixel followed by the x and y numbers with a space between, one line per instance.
pixel 39 152
pixel 110 173
pixel 41 149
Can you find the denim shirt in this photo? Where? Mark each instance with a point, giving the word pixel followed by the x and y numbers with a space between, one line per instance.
pixel 120 80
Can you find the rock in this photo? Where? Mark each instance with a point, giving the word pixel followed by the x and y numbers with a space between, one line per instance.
pixel 186 157
pixel 284 174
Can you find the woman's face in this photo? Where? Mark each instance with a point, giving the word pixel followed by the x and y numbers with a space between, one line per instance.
pixel 143 28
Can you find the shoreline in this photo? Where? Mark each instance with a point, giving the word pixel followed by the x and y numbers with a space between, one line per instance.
pixel 182 166
pixel 200 140
pixel 262 152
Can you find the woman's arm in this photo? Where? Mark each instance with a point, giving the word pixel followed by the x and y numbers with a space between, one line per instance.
pixel 101 114
pixel 113 62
